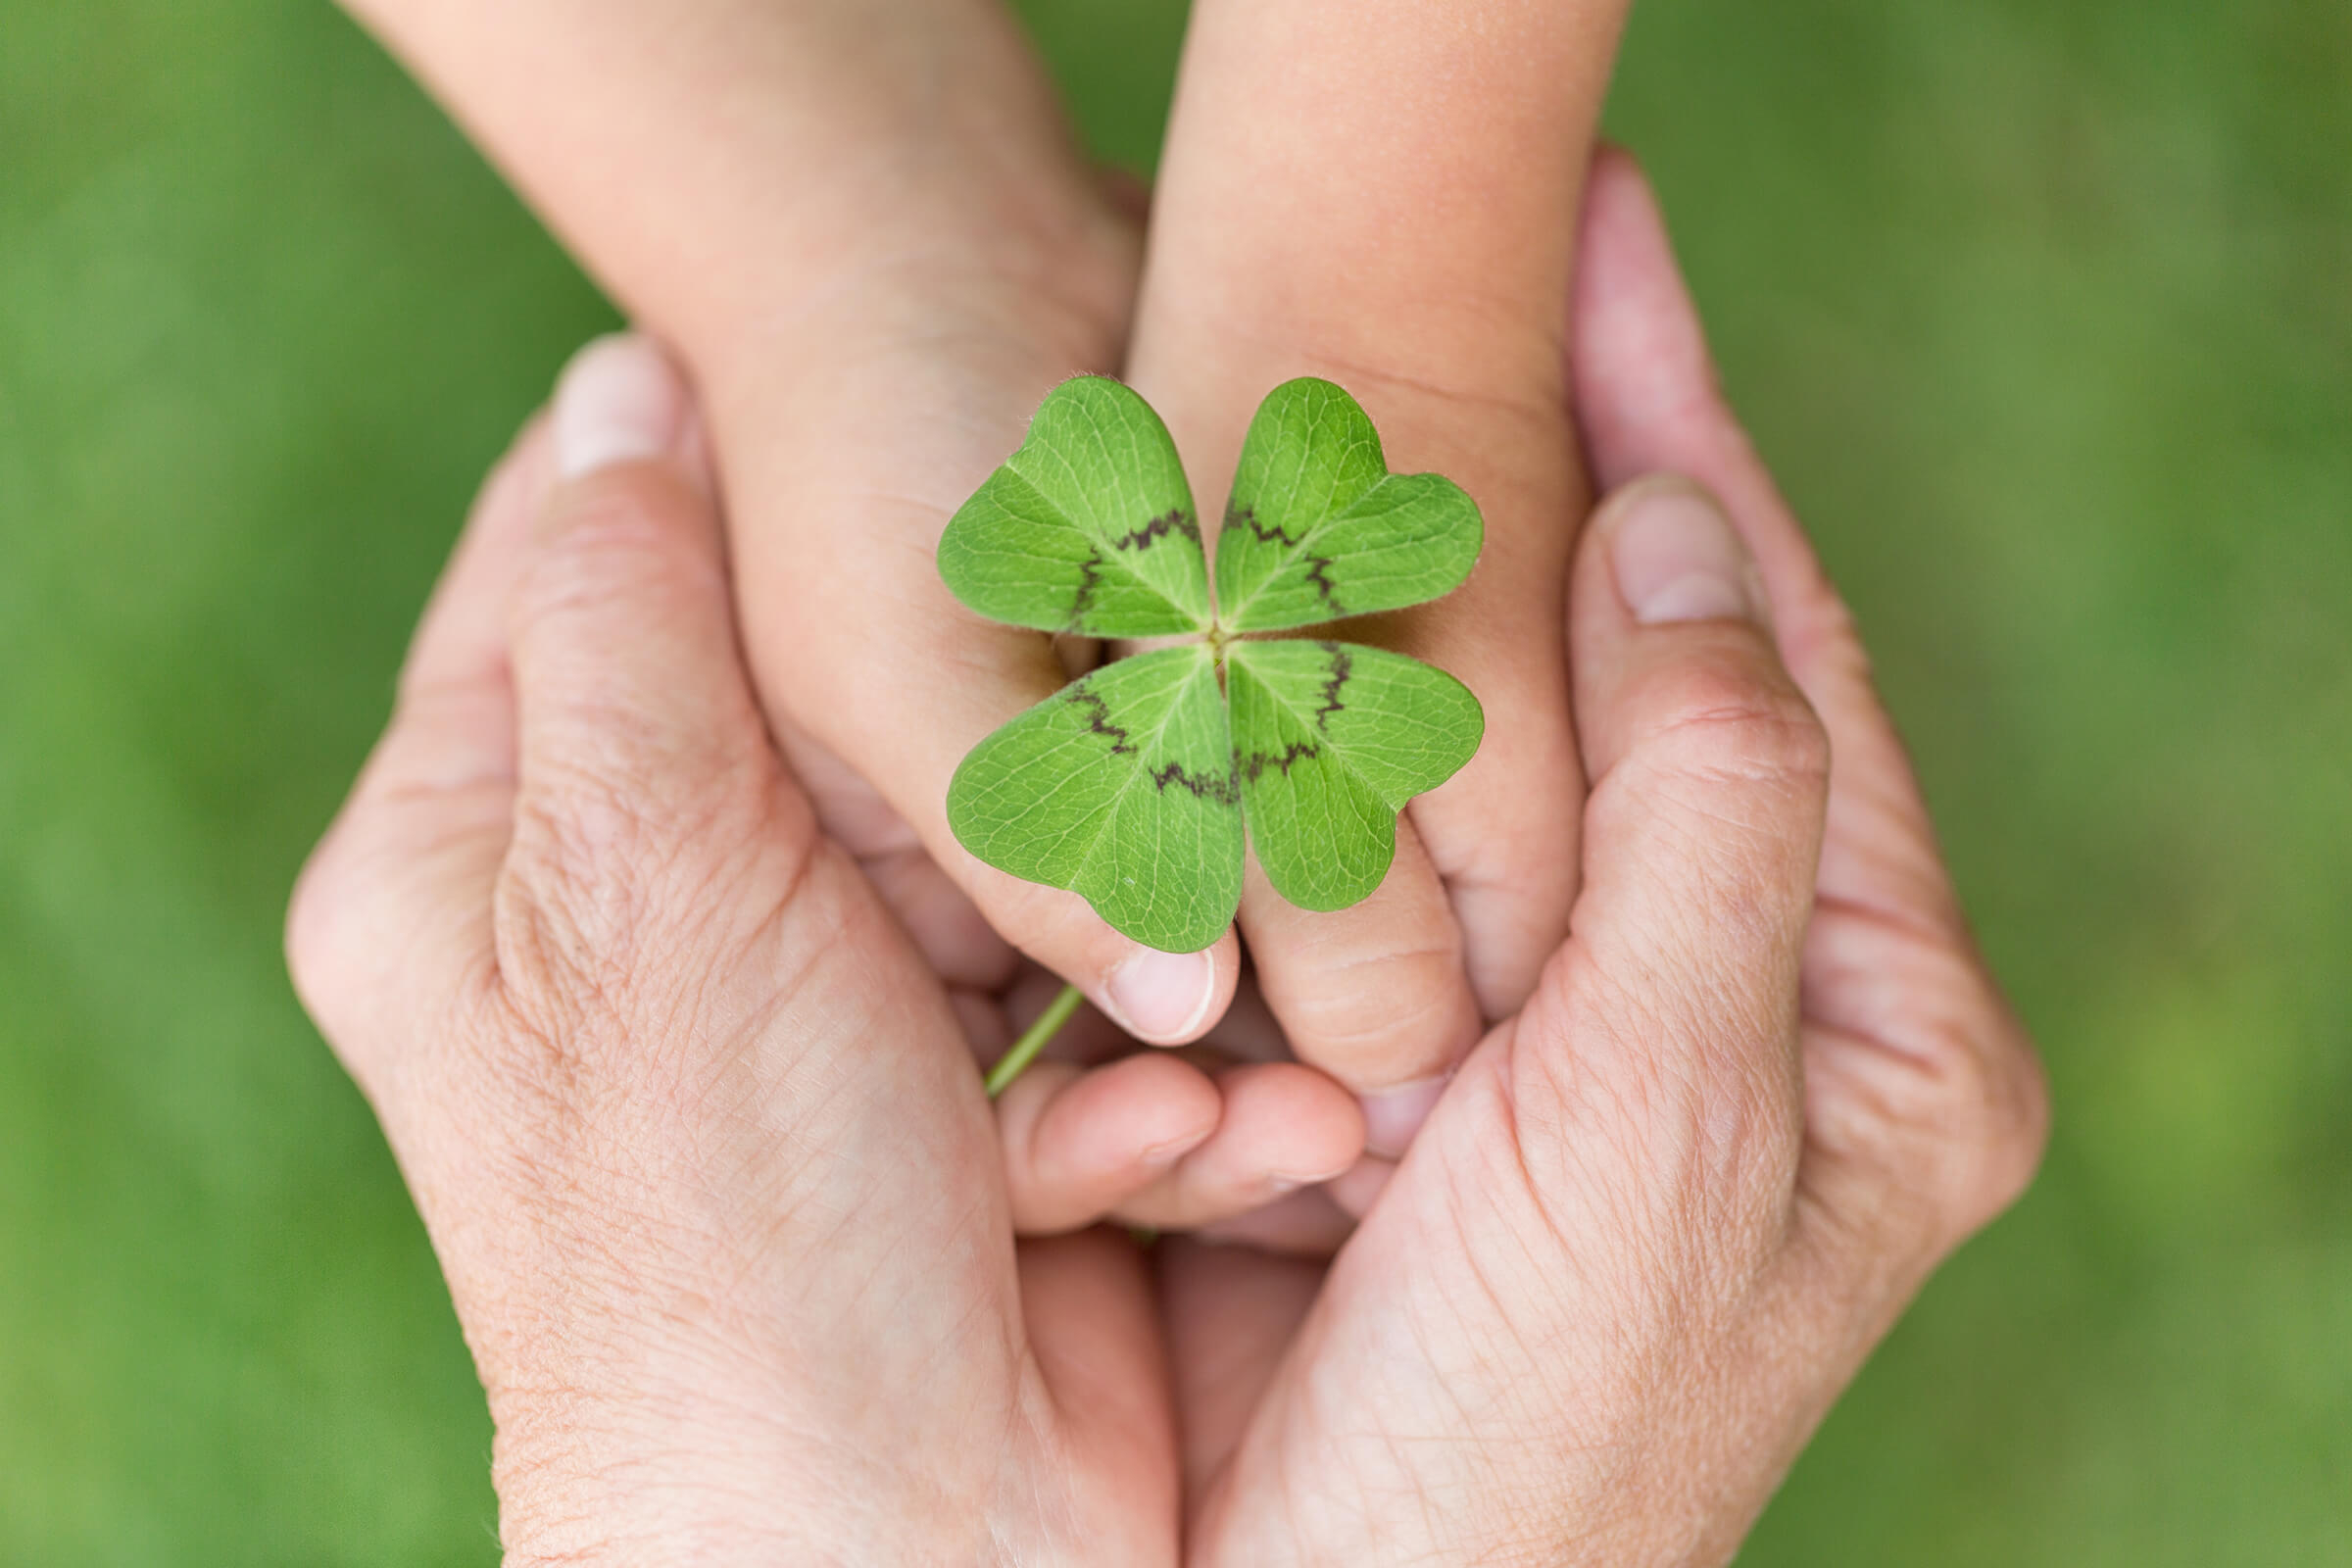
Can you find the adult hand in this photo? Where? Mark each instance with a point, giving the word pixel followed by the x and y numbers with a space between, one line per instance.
pixel 1661 1215
pixel 694 1129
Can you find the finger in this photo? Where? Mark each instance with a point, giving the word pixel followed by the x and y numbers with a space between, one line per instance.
pixel 626 676
pixel 906 728
pixel 1709 777
pixel 1284 1127
pixel 639 745
pixel 1926 1105
pixel 1093 1325
pixel 1231 1313
pixel 1375 995
pixel 398 892
pixel 1079 1142
pixel 1307 1223
pixel 460 649
pixel 1159 998
pixel 1651 402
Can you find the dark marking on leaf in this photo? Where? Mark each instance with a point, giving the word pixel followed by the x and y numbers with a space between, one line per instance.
pixel 1264 533
pixel 1098 719
pixel 1318 572
pixel 1343 664
pixel 1089 583
pixel 1159 527
pixel 1254 766
pixel 1318 567
pixel 1223 788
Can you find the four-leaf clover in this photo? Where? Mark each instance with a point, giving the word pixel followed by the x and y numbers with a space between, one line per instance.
pixel 1132 785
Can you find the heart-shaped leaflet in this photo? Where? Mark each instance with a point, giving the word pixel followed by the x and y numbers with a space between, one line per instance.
pixel 1132 785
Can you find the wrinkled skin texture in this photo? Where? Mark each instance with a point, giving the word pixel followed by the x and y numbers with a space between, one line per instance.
pixel 692 1126
pixel 730 1227
pixel 1766 1084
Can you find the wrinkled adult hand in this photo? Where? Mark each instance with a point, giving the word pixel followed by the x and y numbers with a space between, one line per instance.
pixel 695 1130
pixel 1663 1214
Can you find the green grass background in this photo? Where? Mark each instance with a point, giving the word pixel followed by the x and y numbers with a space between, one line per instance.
pixel 2043 311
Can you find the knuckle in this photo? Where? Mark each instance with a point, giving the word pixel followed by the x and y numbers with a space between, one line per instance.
pixel 2006 1127
pixel 609 847
pixel 574 878
pixel 606 531
pixel 318 945
pixel 1978 1120
pixel 611 900
pixel 1417 1012
pixel 1721 716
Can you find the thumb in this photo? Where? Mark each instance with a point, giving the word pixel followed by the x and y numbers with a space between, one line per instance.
pixel 639 747
pixel 1709 777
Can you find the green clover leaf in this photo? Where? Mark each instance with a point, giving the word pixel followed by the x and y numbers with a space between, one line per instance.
pixel 1132 785
pixel 1088 528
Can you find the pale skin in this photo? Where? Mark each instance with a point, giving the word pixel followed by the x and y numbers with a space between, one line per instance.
pixel 730 1226
pixel 862 230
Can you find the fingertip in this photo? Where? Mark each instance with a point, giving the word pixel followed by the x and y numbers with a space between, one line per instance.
pixel 1080 1141
pixel 1354 1191
pixel 1169 999
pixel 1161 998
pixel 1644 377
pixel 1376 995
pixel 1675 555
pixel 1285 1128
pixel 1615 189
pixel 619 400
pixel 1305 1128
pixel 1392 1117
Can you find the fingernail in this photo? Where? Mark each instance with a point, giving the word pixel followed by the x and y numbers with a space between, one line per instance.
pixel 1678 558
pixel 1392 1115
pixel 618 401
pixel 1161 996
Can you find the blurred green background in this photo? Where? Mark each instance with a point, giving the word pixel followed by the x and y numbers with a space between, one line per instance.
pixel 2043 311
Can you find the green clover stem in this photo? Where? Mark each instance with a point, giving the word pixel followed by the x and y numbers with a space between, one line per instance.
pixel 1016 1061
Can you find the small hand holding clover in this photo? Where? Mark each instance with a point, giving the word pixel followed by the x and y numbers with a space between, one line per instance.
pixel 1131 785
